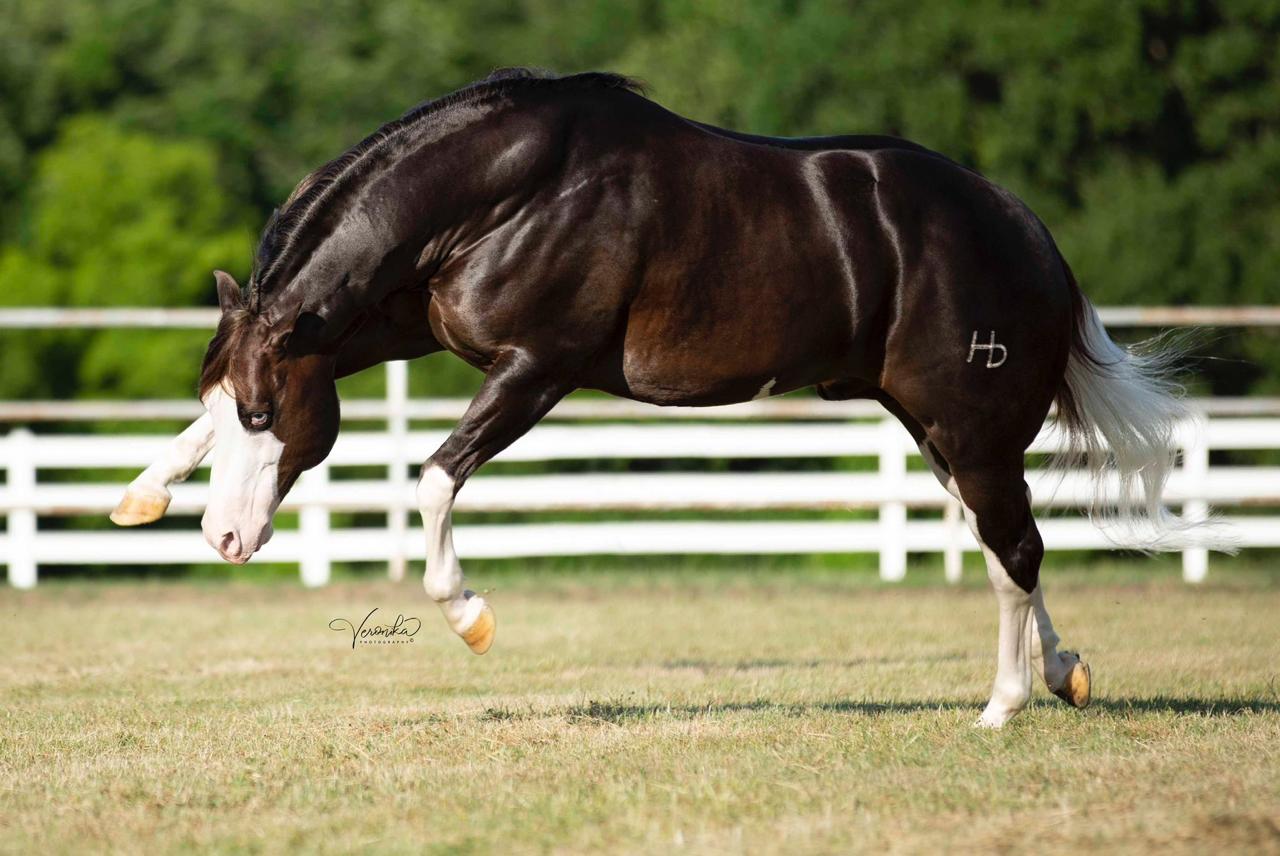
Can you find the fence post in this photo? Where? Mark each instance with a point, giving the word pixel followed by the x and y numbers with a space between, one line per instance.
pixel 398 428
pixel 893 515
pixel 1195 469
pixel 313 526
pixel 22 519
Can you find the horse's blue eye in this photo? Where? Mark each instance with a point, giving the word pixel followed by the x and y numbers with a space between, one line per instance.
pixel 259 419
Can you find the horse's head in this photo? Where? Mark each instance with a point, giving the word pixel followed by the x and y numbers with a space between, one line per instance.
pixel 274 409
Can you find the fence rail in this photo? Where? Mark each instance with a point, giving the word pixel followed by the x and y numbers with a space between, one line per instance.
pixel 45 318
pixel 617 410
pixel 583 429
pixel 890 489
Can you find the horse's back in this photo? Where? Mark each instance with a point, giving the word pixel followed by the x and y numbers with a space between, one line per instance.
pixel 769 269
pixel 834 142
pixel 751 263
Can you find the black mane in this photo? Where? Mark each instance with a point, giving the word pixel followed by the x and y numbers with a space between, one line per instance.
pixel 288 220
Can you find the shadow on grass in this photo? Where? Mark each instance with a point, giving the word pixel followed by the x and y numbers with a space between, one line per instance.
pixel 604 711
pixel 771 663
pixel 1188 706
pixel 620 712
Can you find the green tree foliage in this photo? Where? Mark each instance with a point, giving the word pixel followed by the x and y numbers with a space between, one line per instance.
pixel 1146 134
pixel 117 218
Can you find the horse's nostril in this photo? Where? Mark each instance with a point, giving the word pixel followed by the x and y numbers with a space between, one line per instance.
pixel 228 541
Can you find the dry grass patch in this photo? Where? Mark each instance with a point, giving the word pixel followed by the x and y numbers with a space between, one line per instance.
pixel 740 714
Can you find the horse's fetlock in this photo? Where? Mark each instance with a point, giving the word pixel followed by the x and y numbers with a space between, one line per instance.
pixel 440 592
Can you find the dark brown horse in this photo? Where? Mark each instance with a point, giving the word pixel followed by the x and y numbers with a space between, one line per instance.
pixel 566 233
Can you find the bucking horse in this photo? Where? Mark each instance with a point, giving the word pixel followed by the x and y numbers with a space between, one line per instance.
pixel 567 232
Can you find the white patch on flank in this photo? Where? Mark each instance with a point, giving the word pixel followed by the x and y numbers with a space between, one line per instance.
pixel 991 348
pixel 443 578
pixel 243 494
pixel 764 390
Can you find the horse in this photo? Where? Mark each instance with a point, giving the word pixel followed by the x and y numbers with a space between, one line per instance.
pixel 567 232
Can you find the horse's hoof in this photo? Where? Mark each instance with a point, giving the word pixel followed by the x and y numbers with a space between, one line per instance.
pixel 140 507
pixel 1076 690
pixel 479 636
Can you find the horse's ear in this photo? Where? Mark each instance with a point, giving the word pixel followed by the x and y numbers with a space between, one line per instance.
pixel 229 295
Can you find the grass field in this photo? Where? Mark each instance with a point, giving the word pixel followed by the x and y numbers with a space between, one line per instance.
pixel 706 712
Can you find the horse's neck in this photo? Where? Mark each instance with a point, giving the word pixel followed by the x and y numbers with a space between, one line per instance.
pixel 442 193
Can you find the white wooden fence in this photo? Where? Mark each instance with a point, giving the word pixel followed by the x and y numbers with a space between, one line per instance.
pixel 599 429
pixel 889 490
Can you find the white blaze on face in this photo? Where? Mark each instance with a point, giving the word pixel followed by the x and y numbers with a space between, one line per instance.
pixel 243 493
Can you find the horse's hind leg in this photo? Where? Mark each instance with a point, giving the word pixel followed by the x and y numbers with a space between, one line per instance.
pixel 997 505
pixel 1063 672
pixel 514 396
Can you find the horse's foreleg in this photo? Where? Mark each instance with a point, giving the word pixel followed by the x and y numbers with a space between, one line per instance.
pixel 515 395
pixel 467 613
pixel 147 497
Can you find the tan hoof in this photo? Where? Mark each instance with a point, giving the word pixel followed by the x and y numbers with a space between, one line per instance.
pixel 1076 690
pixel 138 508
pixel 479 636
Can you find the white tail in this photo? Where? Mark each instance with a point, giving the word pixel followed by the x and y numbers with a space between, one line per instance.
pixel 1122 410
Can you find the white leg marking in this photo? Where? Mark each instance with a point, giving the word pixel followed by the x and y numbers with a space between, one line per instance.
pixel 1042 640
pixel 765 390
pixel 147 496
pixel 179 459
pixel 1012 689
pixel 1051 665
pixel 1044 646
pixel 443 578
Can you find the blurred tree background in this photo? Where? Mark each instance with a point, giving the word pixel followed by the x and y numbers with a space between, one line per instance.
pixel 143 143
